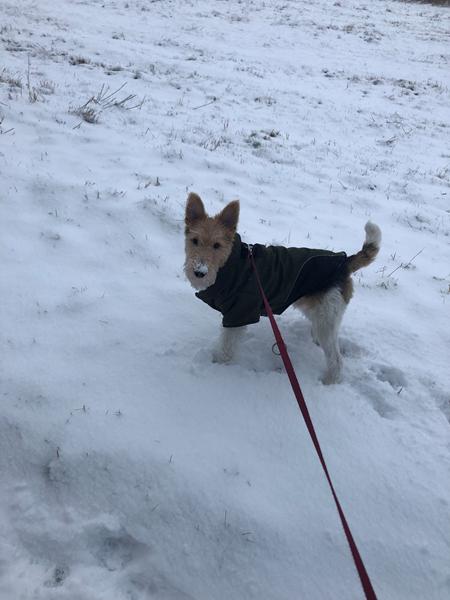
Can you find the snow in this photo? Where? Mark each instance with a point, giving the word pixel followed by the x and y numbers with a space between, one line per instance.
pixel 133 467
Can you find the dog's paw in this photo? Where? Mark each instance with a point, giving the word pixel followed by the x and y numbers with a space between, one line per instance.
pixel 331 377
pixel 220 356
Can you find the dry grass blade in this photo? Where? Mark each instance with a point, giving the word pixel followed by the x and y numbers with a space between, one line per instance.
pixel 32 92
pixel 91 110
pixel 407 265
pixel 4 131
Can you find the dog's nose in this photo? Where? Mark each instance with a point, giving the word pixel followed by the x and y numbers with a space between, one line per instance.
pixel 199 274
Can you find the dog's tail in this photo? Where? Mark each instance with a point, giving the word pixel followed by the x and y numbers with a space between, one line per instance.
pixel 369 251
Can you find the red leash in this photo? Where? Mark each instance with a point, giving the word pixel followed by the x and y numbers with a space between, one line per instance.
pixel 364 577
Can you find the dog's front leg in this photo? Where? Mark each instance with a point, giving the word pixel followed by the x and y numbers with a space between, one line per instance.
pixel 229 337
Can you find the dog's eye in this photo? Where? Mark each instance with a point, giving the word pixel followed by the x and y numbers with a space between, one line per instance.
pixel 216 246
pixel 195 241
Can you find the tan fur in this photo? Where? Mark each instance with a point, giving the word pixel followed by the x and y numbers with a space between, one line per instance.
pixel 347 290
pixel 307 303
pixel 363 258
pixel 208 231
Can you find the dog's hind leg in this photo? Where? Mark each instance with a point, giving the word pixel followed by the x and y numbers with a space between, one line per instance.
pixel 225 348
pixel 330 346
pixel 329 317
pixel 326 316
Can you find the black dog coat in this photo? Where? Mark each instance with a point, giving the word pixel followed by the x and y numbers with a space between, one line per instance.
pixel 286 275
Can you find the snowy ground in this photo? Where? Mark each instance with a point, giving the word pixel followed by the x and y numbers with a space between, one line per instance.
pixel 131 466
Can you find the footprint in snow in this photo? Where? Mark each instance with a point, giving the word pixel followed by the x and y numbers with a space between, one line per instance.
pixel 440 396
pixel 395 377
pixel 115 550
pixel 377 398
pixel 350 348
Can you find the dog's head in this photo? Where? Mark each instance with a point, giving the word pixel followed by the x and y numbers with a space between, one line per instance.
pixel 209 240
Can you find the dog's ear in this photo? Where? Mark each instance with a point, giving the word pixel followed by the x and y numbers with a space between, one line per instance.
pixel 229 216
pixel 195 211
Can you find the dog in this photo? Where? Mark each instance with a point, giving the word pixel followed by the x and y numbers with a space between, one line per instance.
pixel 318 282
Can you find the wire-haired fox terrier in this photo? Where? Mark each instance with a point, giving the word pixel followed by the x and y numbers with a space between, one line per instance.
pixel 316 281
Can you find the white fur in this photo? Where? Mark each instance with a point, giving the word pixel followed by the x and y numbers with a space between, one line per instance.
pixel 226 345
pixel 373 234
pixel 326 316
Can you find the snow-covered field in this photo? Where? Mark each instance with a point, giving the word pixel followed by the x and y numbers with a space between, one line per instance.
pixel 131 466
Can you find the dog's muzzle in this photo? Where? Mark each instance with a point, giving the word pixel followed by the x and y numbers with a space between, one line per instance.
pixel 200 270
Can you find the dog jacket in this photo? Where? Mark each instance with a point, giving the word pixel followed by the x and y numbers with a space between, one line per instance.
pixel 286 275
